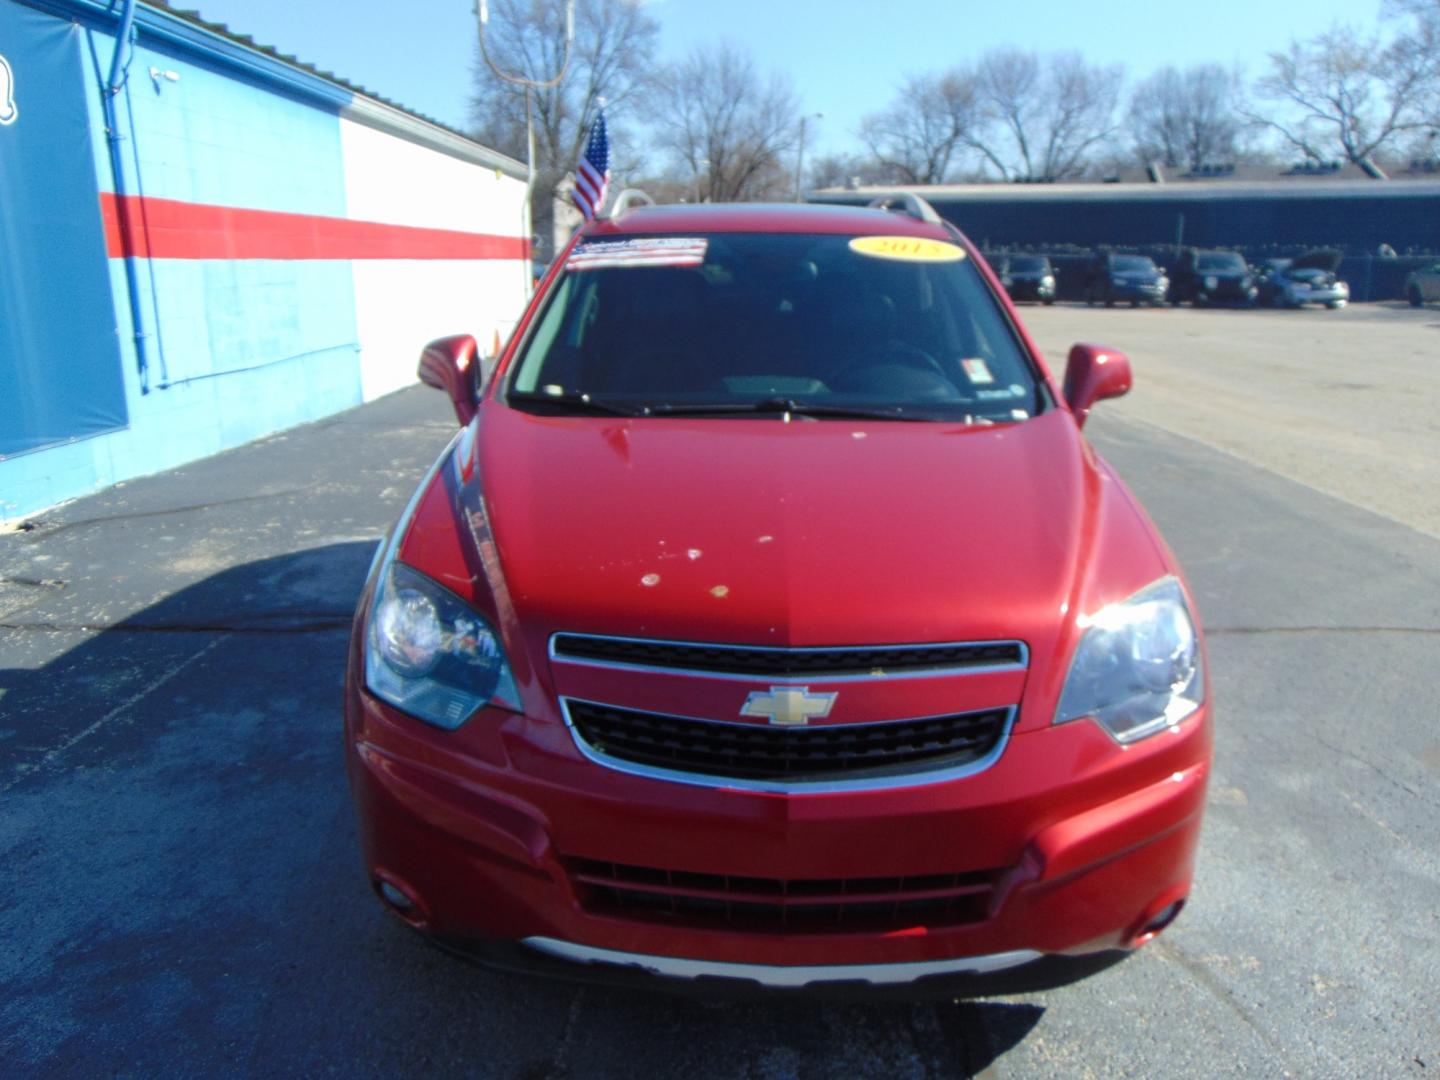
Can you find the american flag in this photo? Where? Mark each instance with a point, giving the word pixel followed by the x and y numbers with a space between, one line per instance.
pixel 592 174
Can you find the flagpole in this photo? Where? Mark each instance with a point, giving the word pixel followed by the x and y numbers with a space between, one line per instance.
pixel 482 14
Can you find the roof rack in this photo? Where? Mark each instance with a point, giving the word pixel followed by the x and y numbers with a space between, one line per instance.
pixel 906 202
pixel 626 201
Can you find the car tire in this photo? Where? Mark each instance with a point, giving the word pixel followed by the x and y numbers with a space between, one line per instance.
pixel 1048 301
pixel 1335 305
pixel 1413 295
pixel 1109 301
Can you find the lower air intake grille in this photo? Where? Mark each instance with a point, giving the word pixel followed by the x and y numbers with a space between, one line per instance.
pixel 833 752
pixel 778 905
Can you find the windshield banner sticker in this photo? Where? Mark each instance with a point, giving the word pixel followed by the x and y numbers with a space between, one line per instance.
pixel 646 251
pixel 907 248
pixel 977 371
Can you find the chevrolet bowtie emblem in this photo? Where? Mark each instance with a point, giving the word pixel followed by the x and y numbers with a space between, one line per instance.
pixel 788 706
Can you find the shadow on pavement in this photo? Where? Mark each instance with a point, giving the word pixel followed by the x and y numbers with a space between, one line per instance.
pixel 183 891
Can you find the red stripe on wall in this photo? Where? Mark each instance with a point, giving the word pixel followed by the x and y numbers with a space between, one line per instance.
pixel 169 229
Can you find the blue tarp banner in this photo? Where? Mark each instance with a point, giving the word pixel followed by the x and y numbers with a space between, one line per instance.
pixel 60 374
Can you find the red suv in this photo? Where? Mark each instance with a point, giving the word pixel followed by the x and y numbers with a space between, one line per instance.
pixel 769 620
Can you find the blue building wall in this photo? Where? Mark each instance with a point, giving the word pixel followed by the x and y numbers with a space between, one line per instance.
pixel 236 348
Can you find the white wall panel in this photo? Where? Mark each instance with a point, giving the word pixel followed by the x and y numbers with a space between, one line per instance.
pixel 401 304
pixel 391 179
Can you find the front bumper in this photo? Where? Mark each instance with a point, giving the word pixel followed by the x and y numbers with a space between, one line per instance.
pixel 1298 296
pixel 480 829
pixel 1228 291
pixel 1129 292
pixel 1030 289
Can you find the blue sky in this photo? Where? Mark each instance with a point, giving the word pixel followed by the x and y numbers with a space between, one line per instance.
pixel 846 57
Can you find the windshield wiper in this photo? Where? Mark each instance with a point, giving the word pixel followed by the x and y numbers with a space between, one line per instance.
pixel 572 402
pixel 781 405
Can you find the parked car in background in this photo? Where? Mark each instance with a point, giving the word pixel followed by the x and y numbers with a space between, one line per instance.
pixel 1309 279
pixel 1212 277
pixel 1027 277
pixel 1125 279
pixel 1423 285
pixel 676 668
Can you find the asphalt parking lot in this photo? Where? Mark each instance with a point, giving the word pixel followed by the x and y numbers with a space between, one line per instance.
pixel 182 893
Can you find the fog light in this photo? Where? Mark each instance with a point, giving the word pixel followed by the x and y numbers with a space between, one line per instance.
pixel 396 899
pixel 1163 918
pixel 402 902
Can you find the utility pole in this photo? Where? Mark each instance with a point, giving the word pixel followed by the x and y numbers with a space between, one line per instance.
pixel 800 156
pixel 482 13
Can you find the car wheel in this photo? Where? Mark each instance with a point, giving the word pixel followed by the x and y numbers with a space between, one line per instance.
pixel 1414 296
pixel 1109 301
pixel 1048 301
pixel 1335 305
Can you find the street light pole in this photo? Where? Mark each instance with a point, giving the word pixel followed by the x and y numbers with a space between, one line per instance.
pixel 800 155
pixel 482 14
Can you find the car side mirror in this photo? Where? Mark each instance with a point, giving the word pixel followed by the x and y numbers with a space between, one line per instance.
pixel 450 364
pixel 1093 373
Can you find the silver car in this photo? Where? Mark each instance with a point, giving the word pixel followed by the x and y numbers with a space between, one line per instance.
pixel 1423 285
pixel 1309 279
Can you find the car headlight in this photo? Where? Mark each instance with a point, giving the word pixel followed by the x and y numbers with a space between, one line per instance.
pixel 429 654
pixel 1211 282
pixel 1137 669
pixel 1048 280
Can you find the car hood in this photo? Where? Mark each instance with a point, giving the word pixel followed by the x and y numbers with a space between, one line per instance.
pixel 1324 259
pixel 759 531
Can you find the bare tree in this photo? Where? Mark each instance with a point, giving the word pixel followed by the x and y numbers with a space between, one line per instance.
pixel 933 119
pixel 730 128
pixel 614 45
pixel 847 170
pixel 1186 119
pixel 1345 96
pixel 1419 41
pixel 1045 114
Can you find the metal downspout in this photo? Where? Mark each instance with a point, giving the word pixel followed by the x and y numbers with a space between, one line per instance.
pixel 113 85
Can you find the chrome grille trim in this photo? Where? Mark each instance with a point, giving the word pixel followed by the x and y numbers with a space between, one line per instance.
pixel 817 676
pixel 918 778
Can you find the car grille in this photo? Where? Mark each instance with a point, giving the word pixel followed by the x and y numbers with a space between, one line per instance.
pixel 782 663
pixel 779 905
pixel 808 754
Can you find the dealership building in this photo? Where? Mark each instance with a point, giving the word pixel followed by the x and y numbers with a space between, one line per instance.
pixel 206 242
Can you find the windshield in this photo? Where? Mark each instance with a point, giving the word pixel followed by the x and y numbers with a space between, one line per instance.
pixel 1029 264
pixel 1221 260
pixel 815 325
pixel 1132 264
